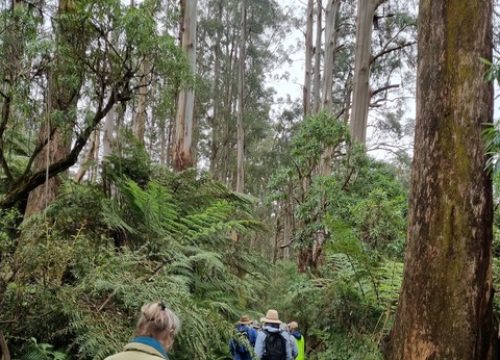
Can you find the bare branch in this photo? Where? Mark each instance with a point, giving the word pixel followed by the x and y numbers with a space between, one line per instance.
pixel 389 50
pixel 384 88
pixel 29 182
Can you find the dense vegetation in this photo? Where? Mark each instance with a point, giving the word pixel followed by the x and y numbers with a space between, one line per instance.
pixel 75 275
pixel 101 211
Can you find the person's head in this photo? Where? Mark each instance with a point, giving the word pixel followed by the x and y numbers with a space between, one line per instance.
pixel 256 325
pixel 244 320
pixel 293 326
pixel 272 319
pixel 159 322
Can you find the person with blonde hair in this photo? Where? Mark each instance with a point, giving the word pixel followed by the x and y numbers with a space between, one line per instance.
pixel 154 334
pixel 299 339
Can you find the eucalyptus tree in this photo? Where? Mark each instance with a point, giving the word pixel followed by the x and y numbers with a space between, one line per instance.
pixel 240 137
pixel 394 26
pixel 74 74
pixel 361 92
pixel 306 97
pixel 218 107
pixel 182 149
pixel 445 306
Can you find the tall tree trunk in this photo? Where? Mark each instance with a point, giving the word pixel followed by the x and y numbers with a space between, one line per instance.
pixel 362 58
pixel 90 158
pixel 317 58
pixel 163 142
pixel 240 175
pixel 347 98
pixel 10 69
pixel 139 119
pixel 331 36
pixel 183 157
pixel 445 306
pixel 216 128
pixel 108 132
pixel 62 97
pixel 309 51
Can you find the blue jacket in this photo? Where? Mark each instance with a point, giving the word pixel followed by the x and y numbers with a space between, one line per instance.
pixel 236 348
pixel 260 343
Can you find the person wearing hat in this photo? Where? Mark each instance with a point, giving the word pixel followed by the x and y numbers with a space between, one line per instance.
pixel 240 347
pixel 272 342
pixel 299 339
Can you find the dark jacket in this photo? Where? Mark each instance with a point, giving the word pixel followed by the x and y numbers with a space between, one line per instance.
pixel 237 347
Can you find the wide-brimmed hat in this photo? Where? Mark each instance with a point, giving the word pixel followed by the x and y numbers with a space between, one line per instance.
pixel 272 317
pixel 293 325
pixel 245 320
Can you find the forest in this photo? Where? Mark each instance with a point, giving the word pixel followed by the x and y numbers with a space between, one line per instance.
pixel 336 160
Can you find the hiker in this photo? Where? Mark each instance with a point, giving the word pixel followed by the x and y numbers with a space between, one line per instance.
pixel 239 350
pixel 273 343
pixel 154 334
pixel 299 340
pixel 293 343
pixel 256 326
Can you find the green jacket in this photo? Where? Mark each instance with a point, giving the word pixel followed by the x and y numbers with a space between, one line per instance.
pixel 137 351
pixel 299 338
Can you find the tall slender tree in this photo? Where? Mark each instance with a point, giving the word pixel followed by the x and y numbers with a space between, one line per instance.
pixel 445 306
pixel 331 36
pixel 182 152
pixel 309 53
pixel 317 57
pixel 240 172
pixel 362 60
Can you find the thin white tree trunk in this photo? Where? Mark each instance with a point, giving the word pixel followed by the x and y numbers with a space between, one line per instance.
pixel 108 132
pixel 216 126
pixel 240 176
pixel 331 36
pixel 361 91
pixel 308 65
pixel 88 162
pixel 183 157
pixel 317 58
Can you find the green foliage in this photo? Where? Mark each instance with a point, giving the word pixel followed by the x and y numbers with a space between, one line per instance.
pixel 89 262
pixel 43 352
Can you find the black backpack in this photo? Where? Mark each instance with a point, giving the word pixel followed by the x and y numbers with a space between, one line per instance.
pixel 274 346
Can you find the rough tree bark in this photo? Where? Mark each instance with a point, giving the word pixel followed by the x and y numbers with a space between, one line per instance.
pixel 182 152
pixel 445 305
pixel 309 51
pixel 362 58
pixel 240 173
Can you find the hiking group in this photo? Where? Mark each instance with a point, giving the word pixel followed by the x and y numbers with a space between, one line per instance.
pixel 275 340
pixel 158 325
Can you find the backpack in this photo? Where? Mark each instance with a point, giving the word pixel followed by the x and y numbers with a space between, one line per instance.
pixel 242 342
pixel 274 346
